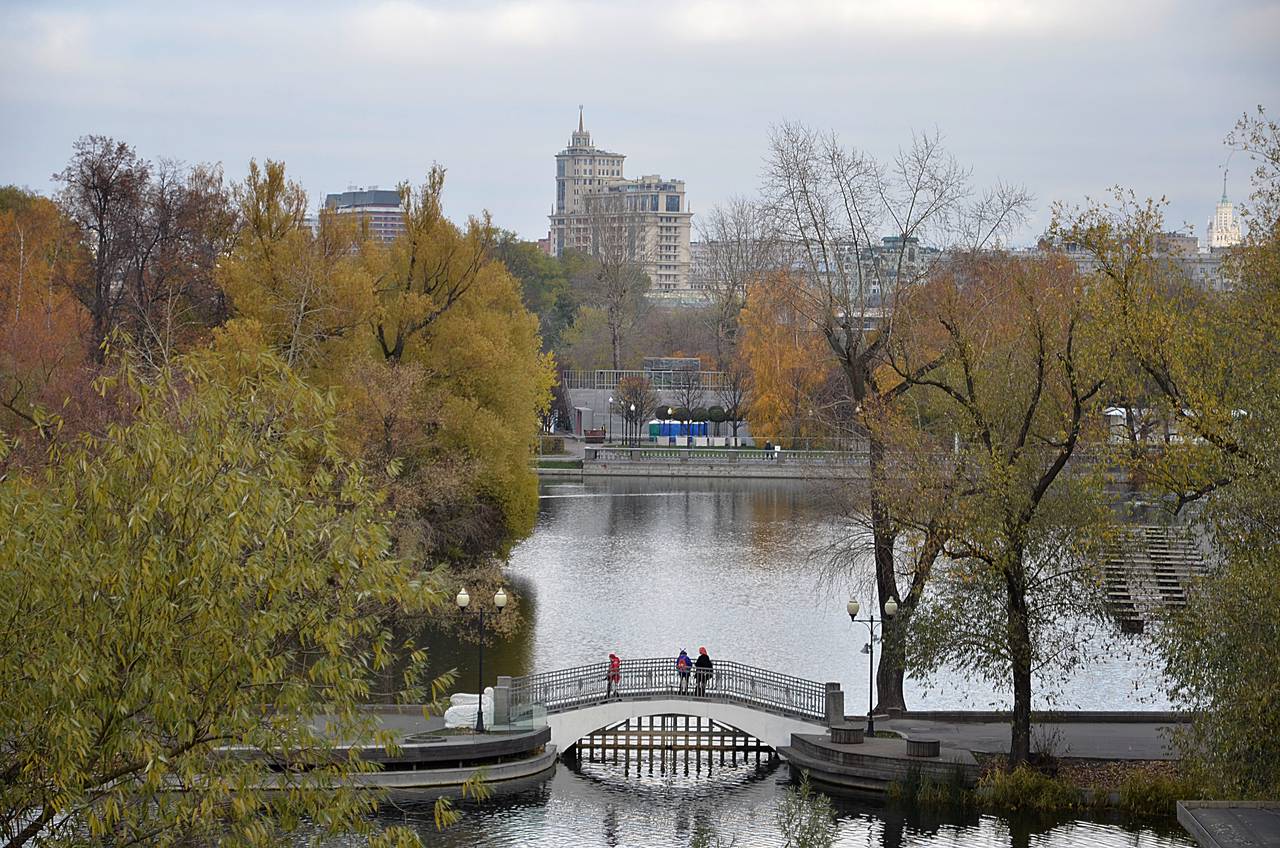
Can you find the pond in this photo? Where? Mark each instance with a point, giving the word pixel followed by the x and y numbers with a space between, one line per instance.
pixel 645 567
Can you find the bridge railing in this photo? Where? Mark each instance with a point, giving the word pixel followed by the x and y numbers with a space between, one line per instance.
pixel 657 677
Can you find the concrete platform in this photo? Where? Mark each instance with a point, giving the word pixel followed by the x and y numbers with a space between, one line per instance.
pixel 1231 824
pixel 875 763
pixel 1115 738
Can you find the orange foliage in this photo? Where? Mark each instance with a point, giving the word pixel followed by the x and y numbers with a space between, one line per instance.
pixel 41 323
pixel 786 361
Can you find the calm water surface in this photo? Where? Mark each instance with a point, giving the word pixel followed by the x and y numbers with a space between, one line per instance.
pixel 600 807
pixel 646 567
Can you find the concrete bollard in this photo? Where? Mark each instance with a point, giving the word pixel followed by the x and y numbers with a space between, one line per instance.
pixel 835 704
pixel 502 701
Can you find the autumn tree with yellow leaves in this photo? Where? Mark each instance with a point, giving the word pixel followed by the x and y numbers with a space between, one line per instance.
pixel 436 363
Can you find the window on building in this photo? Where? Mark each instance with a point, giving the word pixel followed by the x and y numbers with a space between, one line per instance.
pixel 673 203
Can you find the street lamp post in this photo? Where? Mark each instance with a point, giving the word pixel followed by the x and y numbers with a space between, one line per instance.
pixel 890 609
pixel 500 603
pixel 635 426
pixel 610 431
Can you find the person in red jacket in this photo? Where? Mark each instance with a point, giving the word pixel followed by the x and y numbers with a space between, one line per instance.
pixel 615 677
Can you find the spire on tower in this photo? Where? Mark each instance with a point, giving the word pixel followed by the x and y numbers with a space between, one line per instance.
pixel 581 130
pixel 1224 183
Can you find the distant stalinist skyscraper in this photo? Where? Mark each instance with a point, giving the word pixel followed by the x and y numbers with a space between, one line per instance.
pixel 1224 229
pixel 591 187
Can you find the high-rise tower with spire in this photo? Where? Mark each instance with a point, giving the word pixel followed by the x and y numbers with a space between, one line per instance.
pixel 1223 229
pixel 652 212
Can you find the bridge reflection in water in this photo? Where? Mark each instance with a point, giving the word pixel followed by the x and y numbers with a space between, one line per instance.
pixel 669 742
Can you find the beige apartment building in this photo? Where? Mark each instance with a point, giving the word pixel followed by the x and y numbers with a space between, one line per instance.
pixel 598 210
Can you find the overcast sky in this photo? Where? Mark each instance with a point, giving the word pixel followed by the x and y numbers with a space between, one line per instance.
pixel 1067 97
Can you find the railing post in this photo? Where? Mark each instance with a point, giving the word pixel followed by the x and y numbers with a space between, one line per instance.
pixel 835 704
pixel 502 701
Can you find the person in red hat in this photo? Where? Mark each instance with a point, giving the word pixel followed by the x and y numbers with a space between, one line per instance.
pixel 702 670
pixel 615 677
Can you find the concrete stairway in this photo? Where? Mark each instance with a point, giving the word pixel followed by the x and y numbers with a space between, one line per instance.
pixel 1149 571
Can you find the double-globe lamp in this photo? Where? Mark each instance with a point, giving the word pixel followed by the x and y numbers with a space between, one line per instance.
pixel 463 600
pixel 890 609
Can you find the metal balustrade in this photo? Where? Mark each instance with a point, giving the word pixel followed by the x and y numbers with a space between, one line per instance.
pixel 743 455
pixel 649 678
pixel 607 379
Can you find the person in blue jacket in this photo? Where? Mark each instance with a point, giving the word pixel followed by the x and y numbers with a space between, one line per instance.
pixel 684 665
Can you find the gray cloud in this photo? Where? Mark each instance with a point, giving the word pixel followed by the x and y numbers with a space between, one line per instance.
pixel 1065 97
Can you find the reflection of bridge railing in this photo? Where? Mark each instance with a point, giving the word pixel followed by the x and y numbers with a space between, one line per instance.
pixel 586 685
pixel 708 381
pixel 744 455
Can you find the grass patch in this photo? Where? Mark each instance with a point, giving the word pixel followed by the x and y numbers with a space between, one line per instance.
pixel 1148 793
pixel 922 791
pixel 1026 790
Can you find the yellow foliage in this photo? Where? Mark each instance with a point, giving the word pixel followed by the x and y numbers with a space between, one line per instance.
pixel 785 359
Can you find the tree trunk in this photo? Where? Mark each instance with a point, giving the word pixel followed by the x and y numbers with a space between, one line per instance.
pixel 613 341
pixel 1019 635
pixel 891 670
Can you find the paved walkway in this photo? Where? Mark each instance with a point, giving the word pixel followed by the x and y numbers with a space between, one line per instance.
pixel 1111 740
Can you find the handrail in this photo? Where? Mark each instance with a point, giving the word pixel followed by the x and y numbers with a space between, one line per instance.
pixel 728 681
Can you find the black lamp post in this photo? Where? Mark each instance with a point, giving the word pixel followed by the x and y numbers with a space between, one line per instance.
pixel 499 602
pixel 890 609
pixel 608 433
pixel 635 426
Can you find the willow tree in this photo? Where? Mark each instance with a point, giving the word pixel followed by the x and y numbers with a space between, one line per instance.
pixel 436 363
pixel 308 291
pixel 1003 491
pixel 191 600
pixel 858 229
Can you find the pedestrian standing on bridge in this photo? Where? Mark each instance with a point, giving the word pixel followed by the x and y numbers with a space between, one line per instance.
pixel 703 672
pixel 614 677
pixel 683 666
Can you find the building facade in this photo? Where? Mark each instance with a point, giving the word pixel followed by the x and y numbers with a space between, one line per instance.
pixel 598 209
pixel 378 209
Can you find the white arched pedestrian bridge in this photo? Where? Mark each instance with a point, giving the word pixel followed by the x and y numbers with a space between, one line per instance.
pixel 576 701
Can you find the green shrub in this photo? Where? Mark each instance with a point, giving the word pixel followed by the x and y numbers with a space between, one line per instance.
pixel 1147 793
pixel 1027 789
pixel 551 444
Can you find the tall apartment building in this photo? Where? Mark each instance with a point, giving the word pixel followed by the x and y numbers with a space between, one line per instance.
pixel 595 203
pixel 1223 229
pixel 379 209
